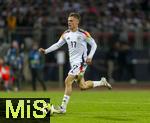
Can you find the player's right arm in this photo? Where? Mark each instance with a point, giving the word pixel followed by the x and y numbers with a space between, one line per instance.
pixel 54 47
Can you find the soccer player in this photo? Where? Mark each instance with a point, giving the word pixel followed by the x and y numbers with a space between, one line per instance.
pixel 77 40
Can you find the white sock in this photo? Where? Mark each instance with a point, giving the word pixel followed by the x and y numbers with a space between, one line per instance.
pixel 65 101
pixel 97 83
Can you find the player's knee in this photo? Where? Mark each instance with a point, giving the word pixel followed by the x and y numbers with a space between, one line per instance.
pixel 69 80
pixel 83 87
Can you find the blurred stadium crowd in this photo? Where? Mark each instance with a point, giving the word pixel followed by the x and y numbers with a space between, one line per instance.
pixel 120 27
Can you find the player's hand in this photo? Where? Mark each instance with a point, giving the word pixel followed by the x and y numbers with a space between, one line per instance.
pixel 89 61
pixel 41 50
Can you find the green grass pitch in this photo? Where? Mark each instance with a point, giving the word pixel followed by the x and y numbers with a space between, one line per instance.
pixel 98 106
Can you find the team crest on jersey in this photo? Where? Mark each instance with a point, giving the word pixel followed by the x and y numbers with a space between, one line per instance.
pixel 68 38
pixel 79 38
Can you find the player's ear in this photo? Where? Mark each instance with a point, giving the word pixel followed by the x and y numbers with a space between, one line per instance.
pixel 78 21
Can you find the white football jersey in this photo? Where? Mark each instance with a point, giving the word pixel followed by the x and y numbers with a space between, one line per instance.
pixel 77 45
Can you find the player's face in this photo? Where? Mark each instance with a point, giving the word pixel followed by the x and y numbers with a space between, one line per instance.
pixel 73 23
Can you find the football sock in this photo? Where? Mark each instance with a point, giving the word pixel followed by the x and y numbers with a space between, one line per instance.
pixel 97 83
pixel 65 101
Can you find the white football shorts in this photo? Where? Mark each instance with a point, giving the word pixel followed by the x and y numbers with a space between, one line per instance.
pixel 77 68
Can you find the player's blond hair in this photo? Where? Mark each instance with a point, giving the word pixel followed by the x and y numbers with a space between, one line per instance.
pixel 75 15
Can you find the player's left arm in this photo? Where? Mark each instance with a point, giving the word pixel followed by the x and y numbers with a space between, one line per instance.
pixel 93 45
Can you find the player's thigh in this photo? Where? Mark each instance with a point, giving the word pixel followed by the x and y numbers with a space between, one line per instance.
pixel 69 79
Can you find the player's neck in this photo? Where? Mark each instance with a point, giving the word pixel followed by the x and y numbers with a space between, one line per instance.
pixel 74 29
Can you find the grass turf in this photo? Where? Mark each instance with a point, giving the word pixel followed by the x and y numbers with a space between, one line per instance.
pixel 98 106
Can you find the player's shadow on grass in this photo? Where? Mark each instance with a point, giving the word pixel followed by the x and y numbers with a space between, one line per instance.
pixel 110 118
pixel 113 118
